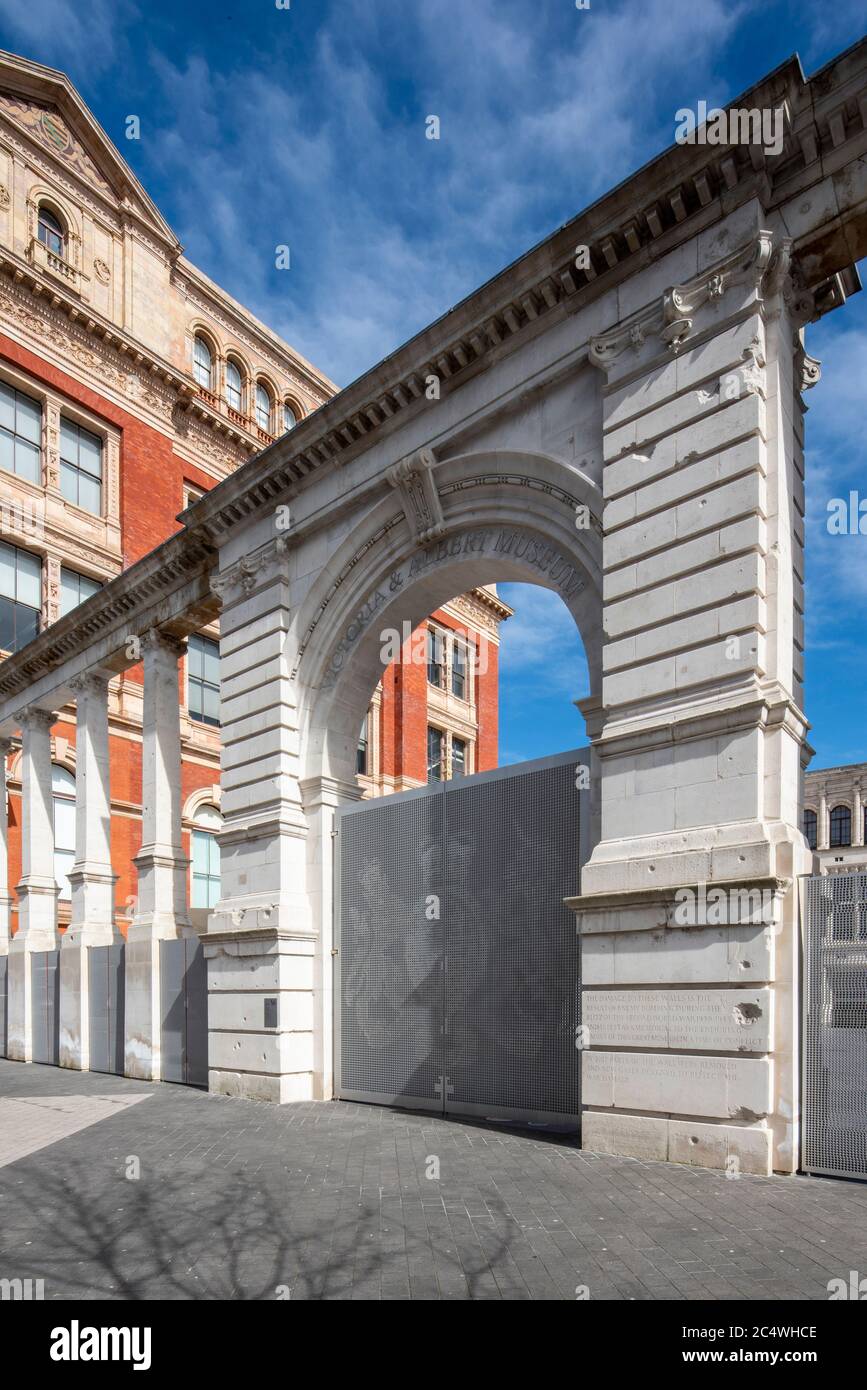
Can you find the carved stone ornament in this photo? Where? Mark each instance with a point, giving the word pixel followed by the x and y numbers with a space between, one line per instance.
pixel 101 271
pixel 413 477
pixel 671 318
pixel 5 199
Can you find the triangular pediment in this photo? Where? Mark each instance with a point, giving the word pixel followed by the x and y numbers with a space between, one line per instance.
pixel 46 106
pixel 48 127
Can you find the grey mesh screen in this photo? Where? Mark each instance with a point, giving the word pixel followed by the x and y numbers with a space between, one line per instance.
pixel 834 1110
pixel 458 983
pixel 391 949
pixel 45 1000
pixel 106 1002
pixel 511 997
pixel 4 961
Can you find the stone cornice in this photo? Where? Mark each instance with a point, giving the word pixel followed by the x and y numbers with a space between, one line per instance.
pixel 150 367
pixel 670 200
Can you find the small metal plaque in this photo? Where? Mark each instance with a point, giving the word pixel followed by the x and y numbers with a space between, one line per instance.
pixel 270 1013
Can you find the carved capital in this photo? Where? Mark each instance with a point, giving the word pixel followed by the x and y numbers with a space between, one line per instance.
pixel 91 683
pixel 34 718
pixel 155 640
pixel 414 480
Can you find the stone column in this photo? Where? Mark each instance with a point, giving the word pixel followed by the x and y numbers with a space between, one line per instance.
pixel 823 829
pixel 37 890
pixel 161 911
pixel 261 940
pixel 688 910
pixel 92 880
pixel 5 897
pixel 322 796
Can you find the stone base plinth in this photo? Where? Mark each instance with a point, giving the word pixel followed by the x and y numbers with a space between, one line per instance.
pixel 260 1014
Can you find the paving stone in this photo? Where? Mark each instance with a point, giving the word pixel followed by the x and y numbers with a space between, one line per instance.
pixel 236 1199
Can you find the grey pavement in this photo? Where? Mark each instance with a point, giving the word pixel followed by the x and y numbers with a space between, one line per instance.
pixel 235 1199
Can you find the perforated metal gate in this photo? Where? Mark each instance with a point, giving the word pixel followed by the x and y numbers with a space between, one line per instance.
pixel 45 1002
pixel 105 966
pixel 184 995
pixel 4 1008
pixel 457 985
pixel 834 1090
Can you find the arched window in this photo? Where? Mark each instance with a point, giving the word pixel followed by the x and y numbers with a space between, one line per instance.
pixel 203 365
pixel 290 419
pixel 810 828
pixel 63 799
pixel 50 231
pixel 841 827
pixel 263 407
pixel 234 386
pixel 205 891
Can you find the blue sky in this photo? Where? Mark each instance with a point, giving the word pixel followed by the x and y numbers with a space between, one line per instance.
pixel 305 126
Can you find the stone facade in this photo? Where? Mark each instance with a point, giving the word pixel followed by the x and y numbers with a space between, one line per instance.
pixel 102 334
pixel 625 428
pixel 835 806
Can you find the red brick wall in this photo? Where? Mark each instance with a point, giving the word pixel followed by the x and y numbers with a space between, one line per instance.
pixel 404 710
pixel 152 481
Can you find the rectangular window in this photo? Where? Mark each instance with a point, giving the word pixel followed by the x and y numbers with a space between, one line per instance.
pixel 434 755
pixel 459 670
pixel 435 658
pixel 81 466
pixel 74 589
pixel 459 757
pixel 206 869
pixel 20 597
pixel 361 753
pixel 20 434
pixel 203 679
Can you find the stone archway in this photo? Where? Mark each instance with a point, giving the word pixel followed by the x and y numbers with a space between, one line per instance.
pixel 506 516
pixel 503 517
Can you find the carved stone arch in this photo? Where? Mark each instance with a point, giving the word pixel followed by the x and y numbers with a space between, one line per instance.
pixel 198 328
pixel 46 195
pixel 294 404
pixel 502 517
pixel 234 354
pixel 262 378
pixel 202 796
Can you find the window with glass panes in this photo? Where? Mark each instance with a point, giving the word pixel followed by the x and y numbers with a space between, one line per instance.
pixel 263 407
pixel 434 754
pixel 436 658
pixel 203 679
pixel 811 828
pixel 290 419
pixel 459 670
pixel 459 757
pixel 63 806
pixel 20 596
pixel 202 363
pixel 205 854
pixel 81 466
pixel 50 231
pixel 361 751
pixel 20 434
pixel 841 827
pixel 74 589
pixel 233 386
